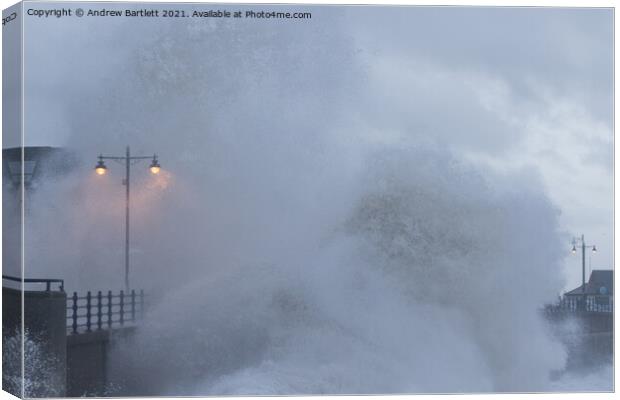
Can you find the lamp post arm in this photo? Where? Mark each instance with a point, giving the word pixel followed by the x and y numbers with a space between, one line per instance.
pixel 112 158
pixel 141 157
pixel 124 158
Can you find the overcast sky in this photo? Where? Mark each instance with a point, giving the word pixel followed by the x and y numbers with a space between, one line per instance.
pixel 510 89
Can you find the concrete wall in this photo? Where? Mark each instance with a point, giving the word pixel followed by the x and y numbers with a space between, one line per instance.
pixel 588 336
pixel 11 309
pixel 87 361
pixel 71 365
pixel 588 350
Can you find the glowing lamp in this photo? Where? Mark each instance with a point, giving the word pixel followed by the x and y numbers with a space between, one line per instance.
pixel 574 250
pixel 155 167
pixel 100 168
pixel 593 249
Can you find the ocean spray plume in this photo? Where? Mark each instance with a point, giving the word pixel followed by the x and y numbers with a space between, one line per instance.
pixel 420 290
pixel 289 253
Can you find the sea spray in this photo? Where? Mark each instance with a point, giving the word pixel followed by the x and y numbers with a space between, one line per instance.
pixel 417 291
pixel 28 368
pixel 290 247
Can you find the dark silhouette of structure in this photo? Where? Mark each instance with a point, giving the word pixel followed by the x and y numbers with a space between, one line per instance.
pixel 598 292
pixel 73 334
pixel 39 162
pixel 590 309
pixel 68 335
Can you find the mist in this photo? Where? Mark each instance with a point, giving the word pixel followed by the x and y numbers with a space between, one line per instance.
pixel 291 245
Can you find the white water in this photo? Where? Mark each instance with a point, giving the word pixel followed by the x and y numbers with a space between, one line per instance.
pixel 288 247
pixel 424 285
pixel 40 378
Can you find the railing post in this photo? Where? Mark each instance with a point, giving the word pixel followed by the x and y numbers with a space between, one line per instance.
pixel 141 303
pixel 99 310
pixel 122 310
pixel 133 305
pixel 74 314
pixel 109 308
pixel 88 297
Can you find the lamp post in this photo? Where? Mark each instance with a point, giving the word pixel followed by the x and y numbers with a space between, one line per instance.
pixel 128 159
pixel 583 246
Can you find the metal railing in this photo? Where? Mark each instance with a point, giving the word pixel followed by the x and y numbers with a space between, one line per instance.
pixel 47 282
pixel 574 304
pixel 103 310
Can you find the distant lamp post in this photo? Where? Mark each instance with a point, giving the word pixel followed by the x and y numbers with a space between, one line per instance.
pixel 128 160
pixel 581 241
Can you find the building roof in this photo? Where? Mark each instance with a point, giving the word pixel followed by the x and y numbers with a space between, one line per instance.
pixel 601 282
